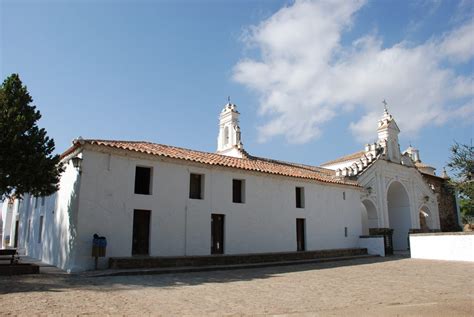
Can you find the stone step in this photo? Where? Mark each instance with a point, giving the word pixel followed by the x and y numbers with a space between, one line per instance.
pixel 18 269
pixel 192 269
pixel 138 262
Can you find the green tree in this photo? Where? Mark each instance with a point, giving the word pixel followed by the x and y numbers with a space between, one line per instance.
pixel 27 163
pixel 462 164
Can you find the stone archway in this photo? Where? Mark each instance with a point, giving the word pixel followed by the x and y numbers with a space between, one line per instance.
pixel 368 216
pixel 399 215
pixel 426 220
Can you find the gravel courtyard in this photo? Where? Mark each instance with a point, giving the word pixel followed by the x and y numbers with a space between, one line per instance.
pixel 374 287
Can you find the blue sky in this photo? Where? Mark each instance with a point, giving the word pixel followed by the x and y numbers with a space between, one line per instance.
pixel 308 77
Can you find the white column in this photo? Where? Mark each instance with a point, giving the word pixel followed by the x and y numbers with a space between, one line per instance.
pixel 414 212
pixel 381 201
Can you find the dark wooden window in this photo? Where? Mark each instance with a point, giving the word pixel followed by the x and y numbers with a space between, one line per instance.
pixel 299 197
pixel 196 186
pixel 238 188
pixel 143 180
pixel 40 231
pixel 15 243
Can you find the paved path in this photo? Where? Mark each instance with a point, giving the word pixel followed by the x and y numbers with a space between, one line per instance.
pixel 374 287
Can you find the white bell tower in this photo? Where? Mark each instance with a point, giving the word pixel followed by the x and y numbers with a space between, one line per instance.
pixel 413 153
pixel 388 136
pixel 229 139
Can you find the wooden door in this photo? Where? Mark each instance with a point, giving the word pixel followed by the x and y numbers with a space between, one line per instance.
pixel 300 235
pixel 217 234
pixel 141 232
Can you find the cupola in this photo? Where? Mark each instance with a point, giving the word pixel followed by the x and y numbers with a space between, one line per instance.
pixel 229 140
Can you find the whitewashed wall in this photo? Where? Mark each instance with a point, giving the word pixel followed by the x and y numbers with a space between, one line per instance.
pixel 451 246
pixel 56 245
pixel 266 222
pixel 343 164
pixel 8 228
pixel 374 244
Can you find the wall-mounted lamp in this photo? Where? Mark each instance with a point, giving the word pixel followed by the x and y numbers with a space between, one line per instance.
pixel 369 190
pixel 77 163
pixel 427 198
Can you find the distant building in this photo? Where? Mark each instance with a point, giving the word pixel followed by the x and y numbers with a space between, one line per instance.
pixel 159 200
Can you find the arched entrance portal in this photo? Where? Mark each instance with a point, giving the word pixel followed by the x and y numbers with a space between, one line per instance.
pixel 399 215
pixel 368 216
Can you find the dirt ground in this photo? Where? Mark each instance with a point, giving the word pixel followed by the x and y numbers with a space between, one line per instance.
pixel 365 287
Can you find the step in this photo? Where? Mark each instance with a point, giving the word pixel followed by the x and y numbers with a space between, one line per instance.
pixel 191 269
pixel 212 260
pixel 18 269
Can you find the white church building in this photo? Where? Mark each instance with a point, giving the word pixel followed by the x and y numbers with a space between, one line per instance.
pixel 396 195
pixel 151 199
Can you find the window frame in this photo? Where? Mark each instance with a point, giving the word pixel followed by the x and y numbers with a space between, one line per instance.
pixel 28 232
pixel 200 194
pixel 150 181
pixel 40 229
pixel 299 197
pixel 242 197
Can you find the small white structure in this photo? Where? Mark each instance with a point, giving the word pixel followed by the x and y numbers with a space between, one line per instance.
pixel 159 200
pixel 452 246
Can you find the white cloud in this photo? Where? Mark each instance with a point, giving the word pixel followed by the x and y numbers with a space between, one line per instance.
pixel 306 77
pixel 459 44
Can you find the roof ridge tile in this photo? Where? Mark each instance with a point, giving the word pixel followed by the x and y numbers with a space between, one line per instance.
pixel 248 162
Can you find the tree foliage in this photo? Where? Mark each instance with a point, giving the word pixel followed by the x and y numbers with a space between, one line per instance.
pixel 462 164
pixel 27 163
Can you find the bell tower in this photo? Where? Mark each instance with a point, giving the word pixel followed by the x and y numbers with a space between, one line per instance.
pixel 229 139
pixel 388 136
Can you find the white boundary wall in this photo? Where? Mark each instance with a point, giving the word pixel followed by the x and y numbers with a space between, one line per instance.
pixel 374 244
pixel 453 246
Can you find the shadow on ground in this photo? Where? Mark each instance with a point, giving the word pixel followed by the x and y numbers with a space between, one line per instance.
pixel 63 282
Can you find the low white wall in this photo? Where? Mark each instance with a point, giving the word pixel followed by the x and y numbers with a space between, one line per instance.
pixel 374 244
pixel 453 246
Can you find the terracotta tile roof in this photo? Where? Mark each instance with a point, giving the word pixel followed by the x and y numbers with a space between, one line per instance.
pixel 421 165
pixel 346 158
pixel 430 175
pixel 248 162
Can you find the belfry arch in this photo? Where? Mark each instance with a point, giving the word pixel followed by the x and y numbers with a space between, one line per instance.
pixel 398 205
